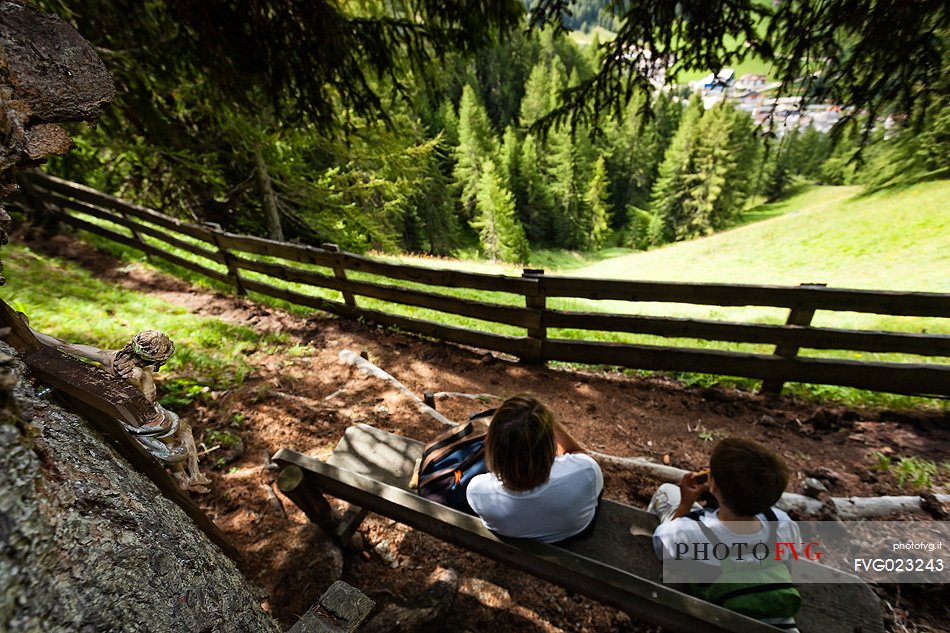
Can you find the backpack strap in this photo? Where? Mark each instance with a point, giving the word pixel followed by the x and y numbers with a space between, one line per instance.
pixel 708 533
pixel 460 435
pixel 461 466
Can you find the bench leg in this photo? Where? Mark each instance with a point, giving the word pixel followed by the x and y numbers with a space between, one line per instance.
pixel 306 494
pixel 350 523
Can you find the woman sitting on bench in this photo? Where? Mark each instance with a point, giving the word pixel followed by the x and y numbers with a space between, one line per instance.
pixel 541 484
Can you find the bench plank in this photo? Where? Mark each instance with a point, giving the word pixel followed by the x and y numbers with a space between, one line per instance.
pixel 371 468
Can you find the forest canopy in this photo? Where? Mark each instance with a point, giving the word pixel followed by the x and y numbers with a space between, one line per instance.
pixel 432 126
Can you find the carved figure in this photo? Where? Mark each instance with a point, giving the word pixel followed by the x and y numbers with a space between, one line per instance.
pixel 167 437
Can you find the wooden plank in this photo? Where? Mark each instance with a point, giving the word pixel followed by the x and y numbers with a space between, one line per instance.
pixel 877 302
pixel 292 483
pixel 438 277
pixel 377 454
pixel 906 378
pixel 136 227
pixel 289 273
pixel 537 333
pixel 87 194
pixel 300 253
pixel 462 336
pixel 644 599
pixel 339 271
pixel 318 303
pixel 509 315
pixel 145 248
pixel 755 333
pixel 228 259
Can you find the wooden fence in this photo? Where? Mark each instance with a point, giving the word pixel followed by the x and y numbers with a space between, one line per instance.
pixel 229 257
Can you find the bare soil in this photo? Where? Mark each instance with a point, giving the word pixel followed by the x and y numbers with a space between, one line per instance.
pixel 305 401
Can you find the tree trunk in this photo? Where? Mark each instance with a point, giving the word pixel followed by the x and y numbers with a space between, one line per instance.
pixel 265 189
pixel 89 544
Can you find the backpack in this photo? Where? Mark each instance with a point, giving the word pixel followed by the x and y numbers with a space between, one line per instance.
pixel 451 460
pixel 757 590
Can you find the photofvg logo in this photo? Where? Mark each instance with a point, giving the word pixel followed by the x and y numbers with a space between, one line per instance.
pixel 810 552
pixel 742 551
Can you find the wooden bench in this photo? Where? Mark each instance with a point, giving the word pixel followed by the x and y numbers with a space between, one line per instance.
pixel 616 565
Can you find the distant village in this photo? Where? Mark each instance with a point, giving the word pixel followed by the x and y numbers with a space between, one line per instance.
pixel 755 94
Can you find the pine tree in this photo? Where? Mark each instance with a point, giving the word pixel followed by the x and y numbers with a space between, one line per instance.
pixel 597 208
pixel 537 208
pixel 672 189
pixel 562 168
pixel 499 232
pixel 537 100
pixel 779 166
pixel 814 150
pixel 509 162
pixel 841 166
pixel 631 157
pixel 742 181
pixel 477 144
pixel 448 121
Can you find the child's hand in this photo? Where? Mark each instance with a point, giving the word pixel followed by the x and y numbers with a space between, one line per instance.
pixel 691 489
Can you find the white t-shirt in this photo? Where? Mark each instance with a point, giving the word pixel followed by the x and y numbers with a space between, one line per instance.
pixel 685 530
pixel 557 509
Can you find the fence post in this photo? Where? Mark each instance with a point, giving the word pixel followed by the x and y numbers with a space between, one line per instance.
pixel 339 271
pixel 796 316
pixel 233 271
pixel 534 299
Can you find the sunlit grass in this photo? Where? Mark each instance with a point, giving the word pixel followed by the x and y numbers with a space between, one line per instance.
pixel 66 301
pixel 892 240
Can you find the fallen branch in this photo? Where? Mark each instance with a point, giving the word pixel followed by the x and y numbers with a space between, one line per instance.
pixel 481 397
pixel 844 508
pixel 348 357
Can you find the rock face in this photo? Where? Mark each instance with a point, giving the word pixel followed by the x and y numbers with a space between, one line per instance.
pixel 88 544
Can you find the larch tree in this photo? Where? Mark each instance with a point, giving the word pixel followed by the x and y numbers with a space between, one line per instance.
pixel 536 210
pixel 500 234
pixel 594 223
pixel 477 144
pixel 671 195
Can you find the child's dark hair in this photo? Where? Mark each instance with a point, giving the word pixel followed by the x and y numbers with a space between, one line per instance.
pixel 520 447
pixel 750 477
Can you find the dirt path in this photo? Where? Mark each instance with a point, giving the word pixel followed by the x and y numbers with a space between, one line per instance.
pixel 306 399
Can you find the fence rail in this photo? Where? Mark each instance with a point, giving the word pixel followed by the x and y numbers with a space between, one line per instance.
pixel 227 255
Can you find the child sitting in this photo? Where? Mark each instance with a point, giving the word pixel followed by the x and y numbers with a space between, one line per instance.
pixel 746 479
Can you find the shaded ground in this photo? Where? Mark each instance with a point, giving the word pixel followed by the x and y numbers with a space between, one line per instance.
pixel 305 398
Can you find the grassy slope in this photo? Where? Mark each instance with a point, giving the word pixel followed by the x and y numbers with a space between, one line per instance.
pixel 897 240
pixel 893 240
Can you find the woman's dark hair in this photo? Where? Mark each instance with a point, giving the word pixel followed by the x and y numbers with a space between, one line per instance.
pixel 521 447
pixel 750 477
